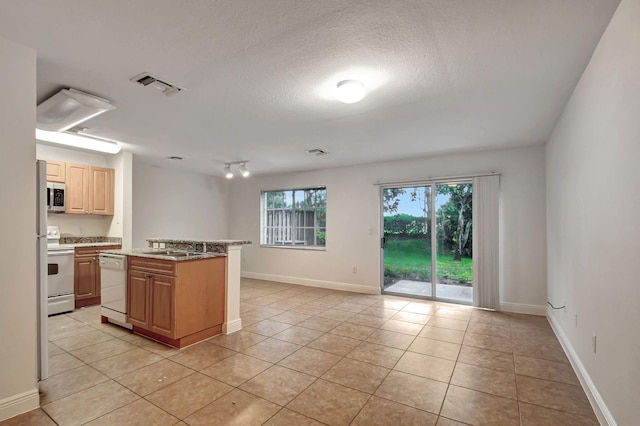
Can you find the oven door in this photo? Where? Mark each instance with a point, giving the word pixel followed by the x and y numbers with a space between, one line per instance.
pixel 59 272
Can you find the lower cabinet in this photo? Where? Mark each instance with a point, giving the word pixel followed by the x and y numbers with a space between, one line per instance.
pixel 86 275
pixel 151 301
pixel 176 302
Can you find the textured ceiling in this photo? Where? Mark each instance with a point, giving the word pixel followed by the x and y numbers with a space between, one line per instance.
pixel 442 75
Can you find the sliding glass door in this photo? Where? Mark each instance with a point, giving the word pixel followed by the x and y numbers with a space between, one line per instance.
pixel 428 233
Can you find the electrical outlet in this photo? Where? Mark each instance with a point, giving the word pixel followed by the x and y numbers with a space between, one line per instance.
pixel 81 230
pixel 593 342
pixel 576 320
pixel 354 269
pixel 370 231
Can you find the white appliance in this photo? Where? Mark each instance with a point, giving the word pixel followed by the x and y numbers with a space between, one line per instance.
pixel 60 266
pixel 113 283
pixel 42 358
pixel 56 197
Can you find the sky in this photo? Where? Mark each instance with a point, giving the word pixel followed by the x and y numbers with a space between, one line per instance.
pixel 414 208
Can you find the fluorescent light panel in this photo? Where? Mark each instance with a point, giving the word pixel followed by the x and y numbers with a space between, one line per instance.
pixel 71 139
pixel 68 108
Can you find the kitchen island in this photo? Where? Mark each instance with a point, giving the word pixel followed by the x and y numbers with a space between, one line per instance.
pixel 180 292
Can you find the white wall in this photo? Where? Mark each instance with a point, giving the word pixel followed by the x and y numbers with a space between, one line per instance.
pixel 593 217
pixel 121 224
pixel 171 203
pixel 18 392
pixel 353 222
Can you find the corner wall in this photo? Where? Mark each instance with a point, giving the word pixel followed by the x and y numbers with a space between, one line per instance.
pixel 593 221
pixel 18 388
pixel 170 203
pixel 353 223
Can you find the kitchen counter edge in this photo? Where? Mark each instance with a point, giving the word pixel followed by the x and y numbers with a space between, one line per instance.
pixel 140 253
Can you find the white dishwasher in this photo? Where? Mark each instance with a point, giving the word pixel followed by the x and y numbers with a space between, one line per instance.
pixel 113 283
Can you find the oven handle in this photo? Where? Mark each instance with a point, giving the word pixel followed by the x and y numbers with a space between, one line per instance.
pixel 60 252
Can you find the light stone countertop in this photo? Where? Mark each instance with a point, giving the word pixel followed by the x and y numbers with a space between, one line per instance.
pixel 144 252
pixel 101 244
pixel 197 241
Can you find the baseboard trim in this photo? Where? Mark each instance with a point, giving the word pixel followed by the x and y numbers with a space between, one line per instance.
pixel 18 404
pixel 232 326
pixel 599 407
pixel 523 308
pixel 332 285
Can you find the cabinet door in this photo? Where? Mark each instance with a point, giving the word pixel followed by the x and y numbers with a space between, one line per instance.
pixel 138 299
pixel 85 274
pixel 162 304
pixel 77 197
pixel 101 184
pixel 56 171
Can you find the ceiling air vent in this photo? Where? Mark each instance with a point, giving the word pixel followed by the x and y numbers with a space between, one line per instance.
pixel 317 152
pixel 149 80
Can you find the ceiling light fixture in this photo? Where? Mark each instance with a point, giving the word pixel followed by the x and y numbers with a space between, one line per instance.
pixel 227 171
pixel 68 108
pixel 76 140
pixel 242 169
pixel 350 91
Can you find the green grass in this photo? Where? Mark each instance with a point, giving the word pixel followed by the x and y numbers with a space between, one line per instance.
pixel 411 259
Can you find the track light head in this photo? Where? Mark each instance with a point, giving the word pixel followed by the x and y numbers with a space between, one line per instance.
pixel 227 171
pixel 243 170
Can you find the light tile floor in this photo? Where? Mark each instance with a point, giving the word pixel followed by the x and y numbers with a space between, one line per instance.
pixel 312 356
pixel 457 293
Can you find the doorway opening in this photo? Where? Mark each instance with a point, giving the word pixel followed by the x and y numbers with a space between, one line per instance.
pixel 427 241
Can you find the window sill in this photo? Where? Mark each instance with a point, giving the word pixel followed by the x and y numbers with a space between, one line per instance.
pixel 293 247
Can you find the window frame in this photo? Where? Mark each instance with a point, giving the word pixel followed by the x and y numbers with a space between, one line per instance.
pixel 263 218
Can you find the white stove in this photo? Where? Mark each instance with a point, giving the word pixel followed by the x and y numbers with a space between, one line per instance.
pixel 60 268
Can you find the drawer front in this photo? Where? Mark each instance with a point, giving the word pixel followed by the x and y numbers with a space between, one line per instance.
pixel 95 250
pixel 167 267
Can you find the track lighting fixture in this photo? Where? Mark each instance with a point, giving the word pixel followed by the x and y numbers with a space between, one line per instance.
pixel 242 168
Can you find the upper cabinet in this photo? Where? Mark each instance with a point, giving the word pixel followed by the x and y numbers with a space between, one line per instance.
pixel 56 171
pixel 77 197
pixel 101 181
pixel 90 190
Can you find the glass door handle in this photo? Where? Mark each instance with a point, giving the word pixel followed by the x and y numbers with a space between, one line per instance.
pixel 382 240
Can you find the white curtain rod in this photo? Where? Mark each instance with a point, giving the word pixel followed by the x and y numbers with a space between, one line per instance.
pixel 435 179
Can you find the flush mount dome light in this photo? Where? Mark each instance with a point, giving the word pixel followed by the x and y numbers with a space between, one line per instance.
pixel 350 91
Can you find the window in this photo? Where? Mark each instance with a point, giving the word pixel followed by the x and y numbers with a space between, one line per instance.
pixel 295 218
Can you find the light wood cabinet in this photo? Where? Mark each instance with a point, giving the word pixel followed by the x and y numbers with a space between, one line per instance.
pixel 77 196
pixel 86 275
pixel 56 171
pixel 177 303
pixel 138 298
pixel 90 189
pixel 101 182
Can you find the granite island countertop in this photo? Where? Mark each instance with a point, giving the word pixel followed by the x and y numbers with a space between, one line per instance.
pixel 71 240
pixel 97 244
pixel 144 252
pixel 202 245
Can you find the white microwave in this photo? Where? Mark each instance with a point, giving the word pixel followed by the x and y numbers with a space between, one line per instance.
pixel 56 197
